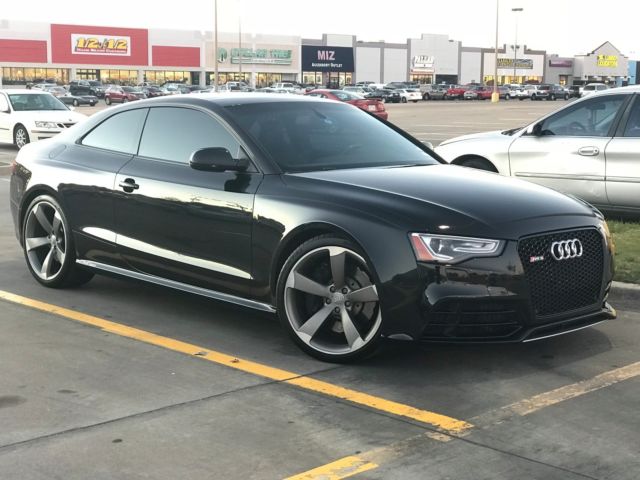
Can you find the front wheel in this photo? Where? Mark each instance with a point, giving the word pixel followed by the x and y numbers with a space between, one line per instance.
pixel 566 96
pixel 48 245
pixel 125 100
pixel 404 99
pixel 107 100
pixel 328 301
pixel 76 103
pixel 553 97
pixel 20 136
pixel 507 97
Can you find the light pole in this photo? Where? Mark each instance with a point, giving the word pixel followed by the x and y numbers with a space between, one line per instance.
pixel 515 45
pixel 240 46
pixel 495 96
pixel 215 45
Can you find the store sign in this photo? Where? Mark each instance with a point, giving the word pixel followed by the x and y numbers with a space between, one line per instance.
pixel 98 44
pixel 522 63
pixel 422 64
pixel 561 63
pixel 261 56
pixel 327 59
pixel 610 61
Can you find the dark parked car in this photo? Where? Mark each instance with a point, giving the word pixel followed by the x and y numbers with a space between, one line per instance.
pixel 553 92
pixel 387 95
pixel 152 92
pixel 346 226
pixel 87 87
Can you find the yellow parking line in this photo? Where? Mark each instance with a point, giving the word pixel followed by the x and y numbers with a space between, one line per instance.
pixel 343 468
pixel 394 451
pixel 562 394
pixel 442 422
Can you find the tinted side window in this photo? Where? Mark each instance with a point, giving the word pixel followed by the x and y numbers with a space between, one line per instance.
pixel 591 118
pixel 632 129
pixel 173 133
pixel 119 133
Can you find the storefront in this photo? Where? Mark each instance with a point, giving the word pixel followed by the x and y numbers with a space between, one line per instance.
pixel 605 64
pixel 330 66
pixel 514 66
pixel 261 60
pixel 434 59
pixel 559 70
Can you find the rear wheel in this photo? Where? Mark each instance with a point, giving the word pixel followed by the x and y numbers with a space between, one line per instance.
pixel 553 97
pixel 566 96
pixel 48 245
pixel 404 99
pixel 426 96
pixel 328 301
pixel 76 103
pixel 125 100
pixel 507 97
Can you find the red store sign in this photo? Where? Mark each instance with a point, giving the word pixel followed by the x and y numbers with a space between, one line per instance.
pixel 83 44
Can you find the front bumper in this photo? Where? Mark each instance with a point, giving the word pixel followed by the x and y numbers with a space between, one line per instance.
pixel 43 133
pixel 499 300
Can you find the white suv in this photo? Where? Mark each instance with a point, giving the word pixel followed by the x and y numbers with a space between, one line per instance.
pixel 590 88
pixel 288 86
pixel 31 115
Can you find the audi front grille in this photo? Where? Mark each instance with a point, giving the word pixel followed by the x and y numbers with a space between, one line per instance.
pixel 564 270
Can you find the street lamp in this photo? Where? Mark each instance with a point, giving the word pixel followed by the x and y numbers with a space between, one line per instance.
pixel 495 96
pixel 515 45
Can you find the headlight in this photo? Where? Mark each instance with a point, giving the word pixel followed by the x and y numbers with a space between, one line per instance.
pixel 606 233
pixel 46 124
pixel 446 249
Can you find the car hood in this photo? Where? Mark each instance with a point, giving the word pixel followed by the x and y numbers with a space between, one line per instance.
pixel 468 201
pixel 51 115
pixel 475 136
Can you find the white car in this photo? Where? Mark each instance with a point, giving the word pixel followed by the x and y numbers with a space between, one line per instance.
pixel 590 88
pixel 32 115
pixel 589 148
pixel 288 86
pixel 409 95
pixel 358 90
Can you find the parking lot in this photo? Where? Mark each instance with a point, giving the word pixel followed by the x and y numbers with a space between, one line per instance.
pixel 119 379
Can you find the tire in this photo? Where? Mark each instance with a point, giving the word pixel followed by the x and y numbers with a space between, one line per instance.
pixel 552 97
pixel 75 102
pixel 533 98
pixel 314 307
pixel 507 97
pixel 426 96
pixel 107 100
pixel 20 136
pixel 478 163
pixel 414 101
pixel 404 99
pixel 92 104
pixel 48 245
pixel 125 100
pixel 566 96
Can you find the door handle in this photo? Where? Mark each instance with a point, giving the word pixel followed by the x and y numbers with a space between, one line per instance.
pixel 589 151
pixel 128 185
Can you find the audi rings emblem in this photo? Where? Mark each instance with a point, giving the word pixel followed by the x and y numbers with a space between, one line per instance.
pixel 566 249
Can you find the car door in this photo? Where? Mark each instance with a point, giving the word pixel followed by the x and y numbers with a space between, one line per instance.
pixel 623 161
pixel 5 119
pixel 183 224
pixel 566 150
pixel 87 187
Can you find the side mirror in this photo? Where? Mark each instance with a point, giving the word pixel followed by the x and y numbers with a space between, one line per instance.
pixel 533 130
pixel 216 159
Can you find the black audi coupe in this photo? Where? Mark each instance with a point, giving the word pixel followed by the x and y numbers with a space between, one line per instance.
pixel 346 226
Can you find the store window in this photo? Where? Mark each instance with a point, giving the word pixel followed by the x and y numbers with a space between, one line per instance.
pixel 119 77
pixel 422 78
pixel 87 74
pixel 224 77
pixel 312 78
pixel 160 76
pixel 24 75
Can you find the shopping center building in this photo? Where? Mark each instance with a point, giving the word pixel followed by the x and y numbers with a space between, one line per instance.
pixel 31 52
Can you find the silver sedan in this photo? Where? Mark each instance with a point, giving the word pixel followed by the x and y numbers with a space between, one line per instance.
pixel 590 148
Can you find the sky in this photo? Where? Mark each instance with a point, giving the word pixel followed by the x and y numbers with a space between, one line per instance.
pixel 566 27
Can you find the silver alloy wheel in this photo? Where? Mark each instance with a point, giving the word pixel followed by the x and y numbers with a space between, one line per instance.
pixel 21 137
pixel 339 314
pixel 45 240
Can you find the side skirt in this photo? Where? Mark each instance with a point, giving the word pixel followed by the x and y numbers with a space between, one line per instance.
pixel 225 297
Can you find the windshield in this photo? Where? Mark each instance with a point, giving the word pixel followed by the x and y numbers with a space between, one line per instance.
pixel 95 83
pixel 306 136
pixel 346 96
pixel 35 101
pixel 131 89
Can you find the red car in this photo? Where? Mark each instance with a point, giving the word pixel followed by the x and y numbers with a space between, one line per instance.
pixel 457 92
pixel 117 94
pixel 371 105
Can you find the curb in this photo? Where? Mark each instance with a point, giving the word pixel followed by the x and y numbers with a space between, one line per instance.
pixel 626 286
